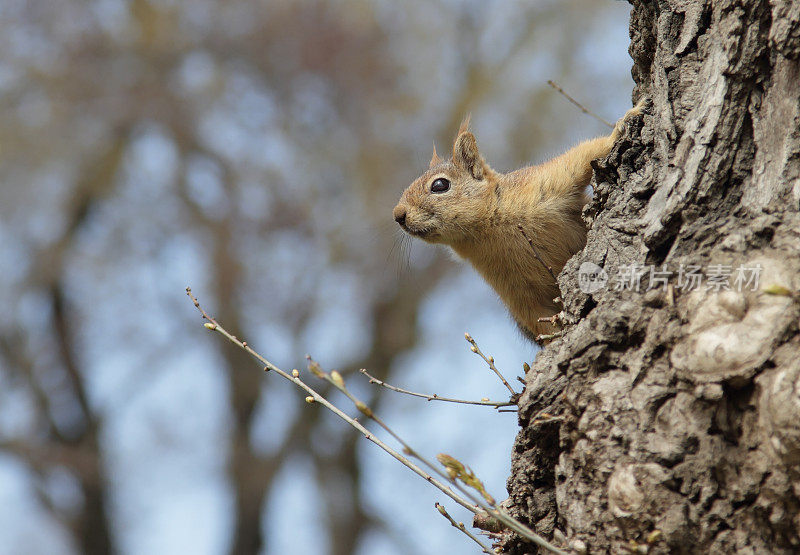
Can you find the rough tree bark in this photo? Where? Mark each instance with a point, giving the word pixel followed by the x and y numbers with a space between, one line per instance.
pixel 678 424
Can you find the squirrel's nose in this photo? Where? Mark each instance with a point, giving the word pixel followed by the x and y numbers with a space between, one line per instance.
pixel 399 214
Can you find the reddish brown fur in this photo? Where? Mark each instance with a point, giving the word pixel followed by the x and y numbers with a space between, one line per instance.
pixel 478 218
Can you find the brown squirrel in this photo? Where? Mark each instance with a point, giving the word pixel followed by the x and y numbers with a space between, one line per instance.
pixel 510 226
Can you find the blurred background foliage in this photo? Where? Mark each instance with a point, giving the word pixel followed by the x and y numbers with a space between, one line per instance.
pixel 254 150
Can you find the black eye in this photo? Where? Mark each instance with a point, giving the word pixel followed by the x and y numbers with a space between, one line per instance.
pixel 441 185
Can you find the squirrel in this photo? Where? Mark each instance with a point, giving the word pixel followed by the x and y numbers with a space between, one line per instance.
pixel 517 229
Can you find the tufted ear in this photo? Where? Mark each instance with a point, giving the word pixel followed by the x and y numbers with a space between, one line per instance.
pixel 467 157
pixel 435 160
pixel 464 127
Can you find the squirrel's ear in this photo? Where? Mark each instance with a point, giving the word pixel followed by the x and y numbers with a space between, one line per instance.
pixel 435 158
pixel 464 127
pixel 467 157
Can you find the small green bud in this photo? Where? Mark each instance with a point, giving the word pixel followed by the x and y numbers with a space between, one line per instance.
pixel 337 379
pixel 365 410
pixel 314 367
pixel 776 289
pixel 654 536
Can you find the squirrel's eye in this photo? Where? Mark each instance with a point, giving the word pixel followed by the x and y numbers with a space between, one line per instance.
pixel 441 185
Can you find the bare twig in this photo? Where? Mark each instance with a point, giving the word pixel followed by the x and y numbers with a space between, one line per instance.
pixel 435 397
pixel 554 320
pixel 316 397
pixel 474 505
pixel 489 361
pixel 460 526
pixel 549 336
pixel 545 417
pixel 578 104
pixel 536 252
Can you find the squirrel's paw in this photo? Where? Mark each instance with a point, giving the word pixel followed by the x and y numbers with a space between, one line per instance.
pixel 635 111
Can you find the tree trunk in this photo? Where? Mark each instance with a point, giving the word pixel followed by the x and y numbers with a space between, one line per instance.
pixel 668 420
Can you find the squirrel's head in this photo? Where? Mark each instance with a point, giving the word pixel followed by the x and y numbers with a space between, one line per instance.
pixel 453 199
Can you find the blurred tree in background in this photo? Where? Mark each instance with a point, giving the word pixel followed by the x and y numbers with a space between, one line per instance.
pixel 253 150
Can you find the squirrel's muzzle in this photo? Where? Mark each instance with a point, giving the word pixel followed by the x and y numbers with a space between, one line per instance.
pixel 399 214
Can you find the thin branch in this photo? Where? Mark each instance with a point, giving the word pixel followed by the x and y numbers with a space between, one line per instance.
pixel 578 104
pixel 316 397
pixel 536 252
pixel 337 381
pixel 489 361
pixel 549 336
pixel 460 526
pixel 435 397
pixel 11 348
pixel 65 343
pixel 554 320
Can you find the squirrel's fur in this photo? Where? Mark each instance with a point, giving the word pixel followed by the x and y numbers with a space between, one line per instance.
pixel 479 214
